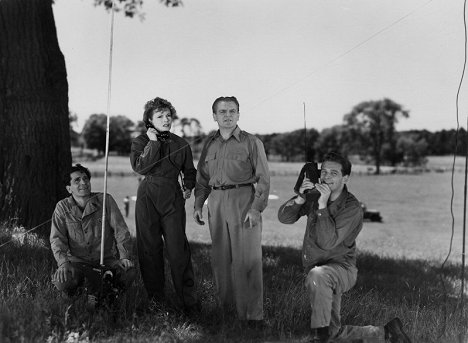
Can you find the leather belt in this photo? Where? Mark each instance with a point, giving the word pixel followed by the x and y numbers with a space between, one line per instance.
pixel 224 187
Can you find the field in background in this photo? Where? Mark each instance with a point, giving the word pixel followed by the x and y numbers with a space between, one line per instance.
pixel 416 208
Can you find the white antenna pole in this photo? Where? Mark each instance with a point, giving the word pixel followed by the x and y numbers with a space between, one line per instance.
pixel 305 134
pixel 103 228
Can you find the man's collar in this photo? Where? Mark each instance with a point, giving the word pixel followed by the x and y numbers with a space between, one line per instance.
pixel 236 133
pixel 91 206
pixel 342 197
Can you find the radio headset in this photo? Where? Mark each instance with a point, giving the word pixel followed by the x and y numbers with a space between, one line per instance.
pixel 161 135
pixel 164 136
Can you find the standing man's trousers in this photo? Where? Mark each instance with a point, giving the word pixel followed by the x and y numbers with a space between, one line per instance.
pixel 325 285
pixel 160 212
pixel 236 253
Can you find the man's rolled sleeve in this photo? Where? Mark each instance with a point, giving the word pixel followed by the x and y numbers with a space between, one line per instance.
pixel 202 188
pixel 262 176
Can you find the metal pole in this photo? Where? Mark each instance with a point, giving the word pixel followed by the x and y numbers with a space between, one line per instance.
pixel 305 135
pixel 103 228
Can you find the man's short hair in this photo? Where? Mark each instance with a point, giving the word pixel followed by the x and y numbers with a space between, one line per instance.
pixel 335 157
pixel 75 168
pixel 157 104
pixel 225 99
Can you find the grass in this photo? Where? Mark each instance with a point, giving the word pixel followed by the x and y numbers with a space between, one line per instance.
pixel 31 309
pixel 399 264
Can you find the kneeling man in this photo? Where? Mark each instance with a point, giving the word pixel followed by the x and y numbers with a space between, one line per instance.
pixel 75 239
pixel 334 220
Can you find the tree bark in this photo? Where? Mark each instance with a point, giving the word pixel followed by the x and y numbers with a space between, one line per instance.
pixel 34 128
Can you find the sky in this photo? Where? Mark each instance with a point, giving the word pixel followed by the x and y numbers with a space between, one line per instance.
pixel 276 56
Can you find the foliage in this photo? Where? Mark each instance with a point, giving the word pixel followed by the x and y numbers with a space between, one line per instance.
pixel 74 136
pixel 189 127
pixel 294 145
pixel 120 129
pixel 94 132
pixel 266 140
pixel 132 8
pixel 371 125
pixel 443 142
pixel 412 150
pixel 333 139
pixel 120 133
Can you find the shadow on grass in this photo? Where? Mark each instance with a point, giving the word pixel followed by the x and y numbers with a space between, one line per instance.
pixel 32 310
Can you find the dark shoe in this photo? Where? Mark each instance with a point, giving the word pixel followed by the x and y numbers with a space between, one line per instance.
pixel 193 310
pixel 320 335
pixel 394 332
pixel 253 328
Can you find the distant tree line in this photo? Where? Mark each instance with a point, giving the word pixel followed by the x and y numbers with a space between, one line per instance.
pixel 122 130
pixel 411 144
pixel 367 131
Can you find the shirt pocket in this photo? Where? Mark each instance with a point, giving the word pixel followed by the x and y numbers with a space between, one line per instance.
pixel 237 166
pixel 75 232
pixel 211 163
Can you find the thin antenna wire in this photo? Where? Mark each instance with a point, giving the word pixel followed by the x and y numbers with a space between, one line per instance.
pixel 340 56
pixel 441 274
pixel 109 92
pixel 464 226
pixel 305 135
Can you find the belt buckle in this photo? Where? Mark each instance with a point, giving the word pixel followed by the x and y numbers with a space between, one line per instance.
pixel 223 187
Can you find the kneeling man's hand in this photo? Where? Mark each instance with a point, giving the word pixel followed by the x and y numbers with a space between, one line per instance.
pixel 63 272
pixel 125 263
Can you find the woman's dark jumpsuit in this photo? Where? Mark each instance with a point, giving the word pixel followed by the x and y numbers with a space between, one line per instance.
pixel 160 212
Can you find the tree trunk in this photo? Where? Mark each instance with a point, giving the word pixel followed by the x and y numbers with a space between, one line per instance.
pixel 34 128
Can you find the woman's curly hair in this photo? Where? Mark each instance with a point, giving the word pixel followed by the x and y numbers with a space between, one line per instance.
pixel 157 104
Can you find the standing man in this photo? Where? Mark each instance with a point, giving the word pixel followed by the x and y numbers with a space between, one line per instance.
pixel 334 219
pixel 75 239
pixel 231 163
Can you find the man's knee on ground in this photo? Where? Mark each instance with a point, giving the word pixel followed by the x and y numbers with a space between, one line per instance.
pixel 68 286
pixel 317 277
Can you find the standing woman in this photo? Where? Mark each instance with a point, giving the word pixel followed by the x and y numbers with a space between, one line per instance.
pixel 162 157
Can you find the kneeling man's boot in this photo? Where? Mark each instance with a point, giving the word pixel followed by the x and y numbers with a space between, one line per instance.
pixel 320 335
pixel 394 332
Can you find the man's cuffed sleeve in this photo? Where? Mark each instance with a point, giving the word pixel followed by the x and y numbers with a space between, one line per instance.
pixel 202 188
pixel 289 212
pixel 262 176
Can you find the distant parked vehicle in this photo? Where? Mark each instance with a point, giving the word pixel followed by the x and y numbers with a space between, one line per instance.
pixel 370 214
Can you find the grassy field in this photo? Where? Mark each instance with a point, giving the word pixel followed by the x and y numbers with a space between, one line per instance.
pixel 416 209
pixel 399 264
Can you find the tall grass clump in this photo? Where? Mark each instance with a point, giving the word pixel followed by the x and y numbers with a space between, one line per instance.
pixel 425 297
